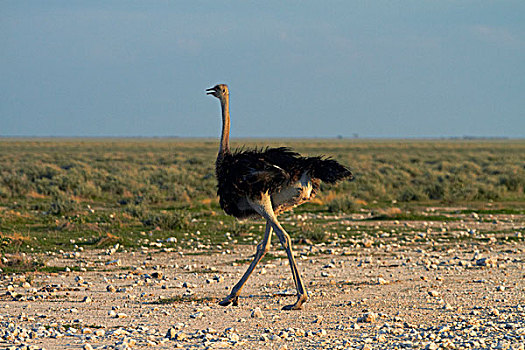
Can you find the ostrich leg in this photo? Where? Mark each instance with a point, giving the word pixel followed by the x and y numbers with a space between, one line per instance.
pixel 264 207
pixel 262 249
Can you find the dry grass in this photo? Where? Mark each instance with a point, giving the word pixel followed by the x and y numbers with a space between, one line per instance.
pixel 113 190
pixel 15 237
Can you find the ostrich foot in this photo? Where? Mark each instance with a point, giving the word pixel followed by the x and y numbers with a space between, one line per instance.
pixel 301 299
pixel 234 300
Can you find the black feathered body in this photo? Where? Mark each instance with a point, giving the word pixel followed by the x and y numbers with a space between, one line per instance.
pixel 288 177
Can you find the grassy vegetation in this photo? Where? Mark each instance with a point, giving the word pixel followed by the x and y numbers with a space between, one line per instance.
pixel 55 194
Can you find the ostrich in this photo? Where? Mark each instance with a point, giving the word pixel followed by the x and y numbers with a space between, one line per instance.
pixel 264 183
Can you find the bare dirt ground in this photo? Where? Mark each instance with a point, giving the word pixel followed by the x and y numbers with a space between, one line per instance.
pixel 410 285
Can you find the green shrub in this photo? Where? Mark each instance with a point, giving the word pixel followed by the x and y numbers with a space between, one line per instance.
pixel 411 194
pixel 345 204
pixel 62 205
pixel 16 183
pixel 167 220
pixel 173 220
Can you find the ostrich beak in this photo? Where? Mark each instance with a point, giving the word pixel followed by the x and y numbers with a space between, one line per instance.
pixel 210 91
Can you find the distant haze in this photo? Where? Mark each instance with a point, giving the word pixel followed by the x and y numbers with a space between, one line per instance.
pixel 295 68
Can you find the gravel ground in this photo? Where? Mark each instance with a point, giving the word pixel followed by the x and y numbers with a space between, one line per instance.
pixel 413 290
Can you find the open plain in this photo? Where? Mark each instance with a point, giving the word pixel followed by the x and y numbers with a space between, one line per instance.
pixel 120 244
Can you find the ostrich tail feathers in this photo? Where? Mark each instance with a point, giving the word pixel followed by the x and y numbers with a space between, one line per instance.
pixel 329 170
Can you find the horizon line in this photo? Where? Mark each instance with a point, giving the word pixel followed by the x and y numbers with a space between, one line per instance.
pixel 339 137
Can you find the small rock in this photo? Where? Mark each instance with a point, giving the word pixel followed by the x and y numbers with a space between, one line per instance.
pixel 433 293
pixel 197 315
pixel 489 262
pixel 448 307
pixel 444 328
pixel 257 313
pixel 432 346
pixel 180 335
pixel 369 317
pixel 368 243
pixel 494 312
pixel 300 332
pixel 157 274
pixel 116 262
pixel 170 334
pixel 173 334
pixel 233 337
pixel 381 280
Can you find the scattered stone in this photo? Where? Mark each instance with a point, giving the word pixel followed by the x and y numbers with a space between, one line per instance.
pixel 257 313
pixel 115 262
pixel 368 243
pixel 494 312
pixel 448 307
pixel 489 262
pixel 171 333
pixel 381 280
pixel 157 274
pixel 197 315
pixel 180 335
pixel 432 346
pixel 369 317
pixel 434 293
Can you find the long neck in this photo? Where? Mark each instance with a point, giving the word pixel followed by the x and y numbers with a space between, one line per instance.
pixel 225 137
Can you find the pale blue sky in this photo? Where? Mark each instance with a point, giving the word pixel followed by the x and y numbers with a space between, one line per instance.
pixel 295 68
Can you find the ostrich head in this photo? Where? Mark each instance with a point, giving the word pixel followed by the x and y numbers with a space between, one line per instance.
pixel 220 91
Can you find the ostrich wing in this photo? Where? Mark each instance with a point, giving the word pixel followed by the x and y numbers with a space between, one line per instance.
pixel 251 173
pixel 270 177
